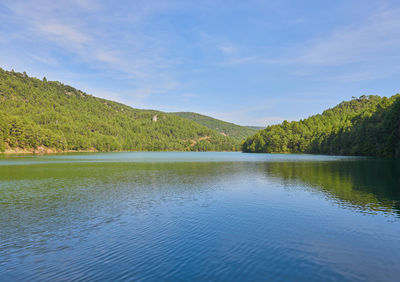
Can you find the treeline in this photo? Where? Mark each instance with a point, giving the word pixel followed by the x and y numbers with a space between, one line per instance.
pixel 226 128
pixel 39 113
pixel 364 126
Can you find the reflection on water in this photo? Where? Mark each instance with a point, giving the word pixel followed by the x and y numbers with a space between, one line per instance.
pixel 198 216
pixel 367 184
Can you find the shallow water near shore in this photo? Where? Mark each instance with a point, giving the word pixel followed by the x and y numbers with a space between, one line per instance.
pixel 199 216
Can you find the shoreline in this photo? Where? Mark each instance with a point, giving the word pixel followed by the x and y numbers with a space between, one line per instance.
pixel 42 151
pixel 51 151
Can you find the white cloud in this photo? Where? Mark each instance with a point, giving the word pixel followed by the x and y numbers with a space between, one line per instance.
pixel 62 33
pixel 376 39
pixel 227 48
pixel 44 59
pixel 366 50
pixel 97 42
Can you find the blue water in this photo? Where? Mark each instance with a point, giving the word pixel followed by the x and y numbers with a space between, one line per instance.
pixel 199 216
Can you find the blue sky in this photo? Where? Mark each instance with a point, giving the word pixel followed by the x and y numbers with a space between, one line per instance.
pixel 249 62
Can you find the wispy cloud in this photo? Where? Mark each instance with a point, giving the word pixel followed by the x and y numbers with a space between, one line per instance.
pixel 62 33
pixel 63 23
pixel 365 47
pixel 227 48
pixel 43 59
pixel 376 39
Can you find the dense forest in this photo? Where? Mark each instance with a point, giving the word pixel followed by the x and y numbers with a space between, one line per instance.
pixel 364 126
pixel 37 114
pixel 226 128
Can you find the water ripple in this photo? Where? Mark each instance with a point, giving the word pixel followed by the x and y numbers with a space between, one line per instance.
pixel 235 218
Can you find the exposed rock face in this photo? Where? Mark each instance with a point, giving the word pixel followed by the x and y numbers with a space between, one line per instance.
pixel 155 118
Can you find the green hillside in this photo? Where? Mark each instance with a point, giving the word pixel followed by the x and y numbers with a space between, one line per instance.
pixel 225 128
pixel 37 114
pixel 364 126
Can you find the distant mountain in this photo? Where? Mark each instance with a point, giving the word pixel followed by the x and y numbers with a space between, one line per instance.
pixel 225 128
pixel 40 115
pixel 364 126
pixel 256 127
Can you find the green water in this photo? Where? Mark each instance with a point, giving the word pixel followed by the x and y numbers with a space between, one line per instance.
pixel 199 216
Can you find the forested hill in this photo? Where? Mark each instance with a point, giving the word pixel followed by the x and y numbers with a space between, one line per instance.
pixel 40 115
pixel 364 126
pixel 226 128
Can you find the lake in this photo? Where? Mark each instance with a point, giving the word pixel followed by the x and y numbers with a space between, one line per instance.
pixel 199 216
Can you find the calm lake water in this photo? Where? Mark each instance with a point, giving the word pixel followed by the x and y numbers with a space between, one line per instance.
pixel 199 216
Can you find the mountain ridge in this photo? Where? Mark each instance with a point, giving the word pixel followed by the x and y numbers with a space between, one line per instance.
pixel 45 114
pixel 223 127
